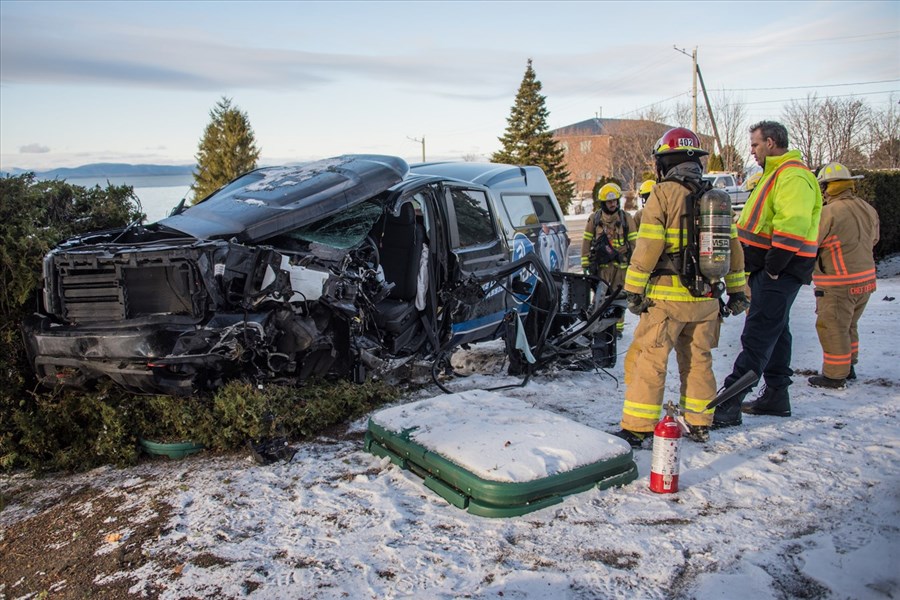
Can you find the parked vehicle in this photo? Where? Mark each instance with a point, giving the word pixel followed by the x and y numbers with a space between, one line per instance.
pixel 342 267
pixel 728 182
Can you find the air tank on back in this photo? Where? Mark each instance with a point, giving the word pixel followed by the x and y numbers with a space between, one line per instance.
pixel 715 234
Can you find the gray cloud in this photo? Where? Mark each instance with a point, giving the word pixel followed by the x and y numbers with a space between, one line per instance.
pixel 48 51
pixel 34 149
pixel 147 58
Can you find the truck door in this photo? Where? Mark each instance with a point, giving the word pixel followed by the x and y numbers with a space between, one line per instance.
pixel 533 223
pixel 476 247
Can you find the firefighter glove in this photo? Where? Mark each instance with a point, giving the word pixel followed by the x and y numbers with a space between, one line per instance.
pixel 638 303
pixel 737 303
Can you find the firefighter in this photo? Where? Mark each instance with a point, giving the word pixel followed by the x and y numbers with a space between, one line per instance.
pixel 609 237
pixel 778 228
pixel 643 194
pixel 752 181
pixel 844 275
pixel 670 315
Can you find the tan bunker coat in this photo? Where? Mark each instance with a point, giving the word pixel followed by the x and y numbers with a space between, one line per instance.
pixel 844 278
pixel 622 233
pixel 676 319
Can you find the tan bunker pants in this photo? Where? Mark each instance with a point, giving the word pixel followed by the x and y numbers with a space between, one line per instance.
pixel 658 332
pixel 837 312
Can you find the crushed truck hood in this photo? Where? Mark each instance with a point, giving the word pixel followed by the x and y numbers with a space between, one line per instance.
pixel 270 201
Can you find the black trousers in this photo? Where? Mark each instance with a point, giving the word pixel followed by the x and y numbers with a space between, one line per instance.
pixel 766 339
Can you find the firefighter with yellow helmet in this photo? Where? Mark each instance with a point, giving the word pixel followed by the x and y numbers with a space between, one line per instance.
pixel 643 194
pixel 609 236
pixel 844 275
pixel 673 315
pixel 752 181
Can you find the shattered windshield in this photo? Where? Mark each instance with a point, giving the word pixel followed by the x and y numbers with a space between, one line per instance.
pixel 345 229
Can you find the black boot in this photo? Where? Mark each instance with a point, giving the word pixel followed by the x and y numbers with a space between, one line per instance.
pixel 852 375
pixel 772 401
pixel 699 434
pixel 728 414
pixel 635 439
pixel 820 381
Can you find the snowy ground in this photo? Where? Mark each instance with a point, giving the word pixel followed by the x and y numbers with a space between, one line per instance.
pixel 803 507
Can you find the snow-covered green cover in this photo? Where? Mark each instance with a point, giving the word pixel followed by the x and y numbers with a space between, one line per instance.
pixel 498 456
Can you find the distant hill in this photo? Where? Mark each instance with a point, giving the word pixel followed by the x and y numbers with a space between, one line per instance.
pixel 107 170
pixel 101 170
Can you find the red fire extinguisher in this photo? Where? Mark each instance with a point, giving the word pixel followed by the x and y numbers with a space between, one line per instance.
pixel 664 463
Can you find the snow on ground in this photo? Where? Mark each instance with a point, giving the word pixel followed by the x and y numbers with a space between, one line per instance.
pixel 805 506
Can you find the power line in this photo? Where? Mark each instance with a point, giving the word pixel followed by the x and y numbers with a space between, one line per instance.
pixel 861 38
pixel 823 97
pixel 636 110
pixel 804 87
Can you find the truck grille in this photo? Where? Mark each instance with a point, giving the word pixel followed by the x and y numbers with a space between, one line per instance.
pixel 123 288
pixel 92 295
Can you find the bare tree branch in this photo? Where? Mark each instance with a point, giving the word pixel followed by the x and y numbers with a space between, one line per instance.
pixel 804 123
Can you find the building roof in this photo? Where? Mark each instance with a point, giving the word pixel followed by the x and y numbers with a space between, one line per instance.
pixel 600 126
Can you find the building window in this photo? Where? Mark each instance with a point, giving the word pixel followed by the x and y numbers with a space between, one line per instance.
pixel 585 146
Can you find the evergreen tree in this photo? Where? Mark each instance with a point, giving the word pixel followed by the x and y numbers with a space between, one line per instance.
pixel 228 149
pixel 528 141
pixel 715 163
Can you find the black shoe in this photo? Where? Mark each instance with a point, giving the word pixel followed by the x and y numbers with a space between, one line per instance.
pixel 820 381
pixel 728 414
pixel 699 434
pixel 634 438
pixel 852 375
pixel 772 401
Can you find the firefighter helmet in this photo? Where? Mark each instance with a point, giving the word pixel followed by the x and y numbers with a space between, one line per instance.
pixel 752 181
pixel 679 139
pixel 646 187
pixel 835 171
pixel 609 192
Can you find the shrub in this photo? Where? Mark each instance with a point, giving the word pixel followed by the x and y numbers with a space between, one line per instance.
pixel 882 190
pixel 70 430
pixel 34 217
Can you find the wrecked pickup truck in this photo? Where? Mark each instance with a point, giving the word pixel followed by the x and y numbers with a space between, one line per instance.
pixel 344 267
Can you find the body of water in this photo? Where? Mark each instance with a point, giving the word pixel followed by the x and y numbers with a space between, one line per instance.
pixel 158 202
pixel 158 194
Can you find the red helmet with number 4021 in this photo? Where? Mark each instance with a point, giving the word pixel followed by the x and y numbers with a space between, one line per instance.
pixel 679 139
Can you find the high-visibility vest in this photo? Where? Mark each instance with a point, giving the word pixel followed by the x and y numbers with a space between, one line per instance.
pixel 798 231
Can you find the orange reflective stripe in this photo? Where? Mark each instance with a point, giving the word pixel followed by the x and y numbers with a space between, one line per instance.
pixel 786 243
pixel 836 359
pixel 848 279
pixel 760 240
pixel 755 216
pixel 839 257
pixel 828 360
pixel 809 249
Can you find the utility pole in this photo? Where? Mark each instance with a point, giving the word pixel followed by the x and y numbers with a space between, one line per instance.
pixel 693 56
pixel 418 141
pixel 712 119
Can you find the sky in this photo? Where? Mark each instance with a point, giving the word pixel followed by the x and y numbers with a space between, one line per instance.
pixel 134 82
pixel 799 507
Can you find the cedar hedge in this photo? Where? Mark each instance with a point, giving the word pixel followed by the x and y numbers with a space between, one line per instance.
pixel 881 189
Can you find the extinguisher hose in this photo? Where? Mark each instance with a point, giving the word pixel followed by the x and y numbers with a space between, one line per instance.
pixel 743 382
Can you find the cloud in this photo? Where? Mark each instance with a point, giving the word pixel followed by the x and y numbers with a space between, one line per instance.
pixel 34 149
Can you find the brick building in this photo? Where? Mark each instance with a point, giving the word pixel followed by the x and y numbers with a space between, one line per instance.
pixel 619 148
